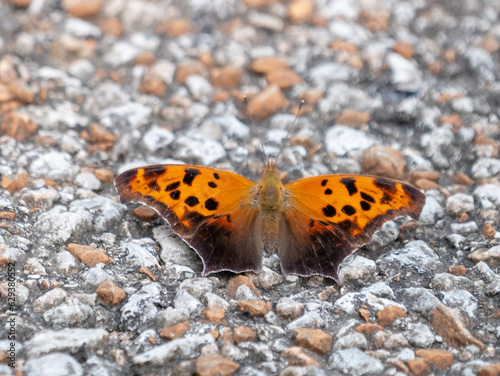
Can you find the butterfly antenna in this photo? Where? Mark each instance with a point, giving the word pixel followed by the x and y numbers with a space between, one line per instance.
pixel 252 125
pixel 302 101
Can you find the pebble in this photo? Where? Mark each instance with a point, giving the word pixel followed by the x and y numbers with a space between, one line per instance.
pixel 485 168
pixel 420 300
pixel 355 362
pixel 141 254
pixel 68 314
pixel 70 340
pixel 461 299
pixel 357 268
pixel 420 335
pixel 171 316
pixel 459 203
pixel 416 254
pixel 199 88
pixel 448 282
pixel 341 140
pixel 56 364
pixel 185 300
pixel 353 340
pixel 289 309
pixel 49 299
pixel 157 138
pixel 488 196
pixel 53 165
pixel 205 152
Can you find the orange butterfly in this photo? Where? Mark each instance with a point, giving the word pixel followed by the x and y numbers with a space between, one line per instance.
pixel 313 223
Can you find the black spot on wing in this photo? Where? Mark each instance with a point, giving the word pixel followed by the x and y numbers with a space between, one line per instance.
pixel 323 183
pixel 172 186
pixel 329 211
pixel 174 195
pixel 228 218
pixel 153 184
pixel 367 197
pixel 311 223
pixel 192 201
pixel 328 191
pixel 385 185
pixel 154 172
pixel 211 204
pixel 365 206
pixel 216 176
pixel 350 184
pixel 349 210
pixel 386 198
pixel 191 173
pixel 212 185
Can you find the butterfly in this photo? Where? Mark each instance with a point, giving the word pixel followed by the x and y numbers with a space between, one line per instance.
pixel 312 223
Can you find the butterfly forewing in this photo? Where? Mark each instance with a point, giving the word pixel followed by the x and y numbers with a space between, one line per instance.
pixel 327 217
pixel 212 210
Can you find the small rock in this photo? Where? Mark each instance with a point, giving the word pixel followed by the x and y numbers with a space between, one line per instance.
pixel 369 329
pixel 237 281
pixel 490 256
pixel 418 366
pixel 254 307
pixel 68 314
pixel 214 315
pixel 57 364
pixel 288 309
pixel 420 336
pixel 83 8
pixel 157 138
pixel 314 339
pixel 384 161
pixel 308 320
pixel 459 203
pixel 109 293
pixel 448 282
pixel 353 340
pixel 215 365
pixel 390 313
pixel 244 334
pixel 88 181
pixel 341 140
pixel 185 300
pixel 53 165
pixel 461 299
pixel 355 362
pixel 488 196
pixel 89 255
pixel 49 299
pixel 464 228
pixel 437 357
pixel 174 332
pixel 171 316
pixel 449 324
pixel 421 300
pixel 295 356
pixel 267 103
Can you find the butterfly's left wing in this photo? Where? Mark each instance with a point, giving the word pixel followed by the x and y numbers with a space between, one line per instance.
pixel 328 217
pixel 214 211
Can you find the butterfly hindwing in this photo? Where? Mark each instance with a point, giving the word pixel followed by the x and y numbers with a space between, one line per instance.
pixel 327 217
pixel 212 210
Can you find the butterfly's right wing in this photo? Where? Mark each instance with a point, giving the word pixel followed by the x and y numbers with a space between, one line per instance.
pixel 214 211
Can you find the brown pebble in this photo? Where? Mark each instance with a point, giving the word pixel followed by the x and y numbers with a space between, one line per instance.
pixel 390 313
pixel 7 215
pixel 237 281
pixel 146 58
pixel 175 331
pixel 448 323
pixel 458 270
pixel 177 27
pixel 312 95
pixel 418 366
pixel 89 255
pixel 104 175
pixel 301 11
pixel 109 293
pixel 404 49
pixel 353 118
pixel 426 185
pixel 464 217
pixel 268 102
pixel 14 183
pixel 295 356
pixel 463 179
pixel 21 3
pixel 148 272
pixel 153 85
pixel 428 175
pixel 82 8
pixel 375 20
pixel 437 357
pixel 244 334
pixel 268 64
pixel 489 370
pixel 384 161
pixel 364 313
pixel 284 78
pixel 489 231
pixel 215 365
pixel 314 339
pixel 452 119
pixel 186 70
pixel 227 78
pixel 369 329
pixel 111 26
pixel 18 126
pixel 145 214
pixel 214 315
pixel 254 307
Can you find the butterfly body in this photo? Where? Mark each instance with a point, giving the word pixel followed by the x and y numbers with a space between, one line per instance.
pixel 313 223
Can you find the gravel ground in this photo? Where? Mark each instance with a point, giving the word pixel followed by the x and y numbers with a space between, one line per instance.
pixel 404 89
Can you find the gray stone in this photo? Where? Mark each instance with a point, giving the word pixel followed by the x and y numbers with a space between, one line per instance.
pixel 265 21
pixel 96 366
pixel 187 301
pixel 65 263
pixel 181 347
pixel 420 300
pixel 267 278
pixel 296 371
pixel 57 225
pixel 448 282
pixel 355 362
pixel 67 340
pixel 56 364
pixel 380 289
pixel 157 138
pixel 341 140
pixel 128 115
pixel 213 300
pixel 197 287
pixel 465 227
pixel 311 320
pixel 420 335
pixel 171 316
pixel 243 292
pixel 173 250
pixel 416 254
pixel 22 293
pixel 107 212
pixel 435 142
pixel 33 266
pixel 386 235
pixel 203 151
pixel 289 309
pixel 229 125
pixel 68 314
pixel 357 268
pixel 323 73
pixel 53 165
pixel 141 307
pixel 48 300
pixel 488 196
pixel 140 252
pixel 121 53
pixel 353 340
pixel 82 69
pixel 490 256
pixel 459 203
pixel 42 198
pixel 88 180
pixel 485 168
pixel 405 73
pixel 461 299
pixel 199 88
pixel 94 277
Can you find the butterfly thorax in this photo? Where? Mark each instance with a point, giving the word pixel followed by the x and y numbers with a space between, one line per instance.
pixel 270 190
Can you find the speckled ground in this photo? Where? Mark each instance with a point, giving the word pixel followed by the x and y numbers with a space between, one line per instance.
pixel 404 89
